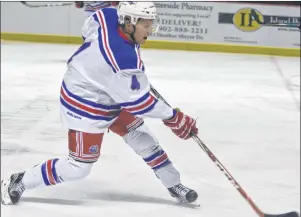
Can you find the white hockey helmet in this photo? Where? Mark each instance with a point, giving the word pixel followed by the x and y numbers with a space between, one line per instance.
pixel 131 12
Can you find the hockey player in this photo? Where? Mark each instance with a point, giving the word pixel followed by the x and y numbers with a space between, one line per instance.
pixel 106 87
pixel 91 7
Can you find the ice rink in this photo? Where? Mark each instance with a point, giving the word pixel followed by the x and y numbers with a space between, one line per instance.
pixel 248 110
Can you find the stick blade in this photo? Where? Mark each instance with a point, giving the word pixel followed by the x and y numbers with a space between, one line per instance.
pixel 289 214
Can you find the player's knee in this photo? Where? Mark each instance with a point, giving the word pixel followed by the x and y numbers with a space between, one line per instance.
pixel 145 144
pixel 76 170
pixel 142 141
pixel 125 123
pixel 138 136
pixel 84 147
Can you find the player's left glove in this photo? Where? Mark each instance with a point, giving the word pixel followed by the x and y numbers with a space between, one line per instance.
pixel 182 125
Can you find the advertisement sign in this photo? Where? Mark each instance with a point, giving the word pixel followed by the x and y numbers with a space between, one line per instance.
pixel 229 23
pixel 182 21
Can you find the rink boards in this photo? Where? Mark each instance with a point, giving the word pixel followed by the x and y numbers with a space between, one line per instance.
pixel 195 26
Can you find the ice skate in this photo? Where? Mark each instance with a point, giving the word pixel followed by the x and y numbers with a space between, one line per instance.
pixel 12 189
pixel 183 194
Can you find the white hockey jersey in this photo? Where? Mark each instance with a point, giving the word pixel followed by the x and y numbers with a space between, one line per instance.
pixel 107 74
pixel 92 6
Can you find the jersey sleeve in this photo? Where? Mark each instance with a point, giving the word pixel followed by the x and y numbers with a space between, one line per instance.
pixel 160 111
pixel 89 29
pixel 118 53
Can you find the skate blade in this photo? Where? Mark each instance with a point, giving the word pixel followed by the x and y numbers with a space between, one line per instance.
pixel 192 205
pixel 5 198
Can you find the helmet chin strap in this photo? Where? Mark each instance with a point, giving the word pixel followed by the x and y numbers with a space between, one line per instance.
pixel 130 34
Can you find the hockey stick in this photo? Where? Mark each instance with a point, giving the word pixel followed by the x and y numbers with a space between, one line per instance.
pixel 256 17
pixel 46 5
pixel 226 172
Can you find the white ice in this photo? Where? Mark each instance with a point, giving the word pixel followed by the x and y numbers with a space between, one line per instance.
pixel 248 110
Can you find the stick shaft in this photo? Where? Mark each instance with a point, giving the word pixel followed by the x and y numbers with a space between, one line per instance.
pixel 46 5
pixel 222 168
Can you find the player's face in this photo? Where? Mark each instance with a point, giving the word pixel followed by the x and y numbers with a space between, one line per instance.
pixel 144 28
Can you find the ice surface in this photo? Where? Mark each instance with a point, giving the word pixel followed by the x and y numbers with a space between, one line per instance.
pixel 248 110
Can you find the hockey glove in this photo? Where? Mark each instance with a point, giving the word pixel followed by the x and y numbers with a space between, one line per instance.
pixel 182 125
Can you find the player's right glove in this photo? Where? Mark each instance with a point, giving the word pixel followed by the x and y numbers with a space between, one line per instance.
pixel 182 125
pixel 79 4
